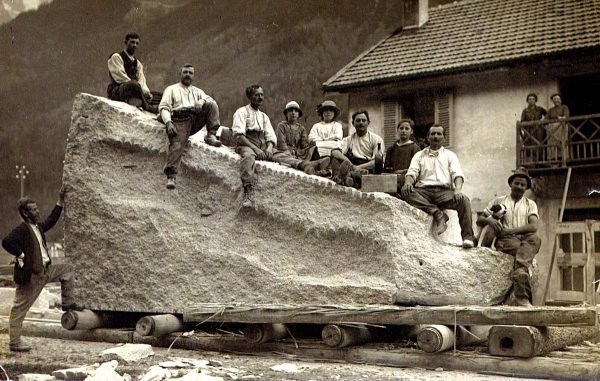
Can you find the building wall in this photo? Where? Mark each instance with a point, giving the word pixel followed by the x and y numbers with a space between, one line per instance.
pixel 486 109
pixel 549 204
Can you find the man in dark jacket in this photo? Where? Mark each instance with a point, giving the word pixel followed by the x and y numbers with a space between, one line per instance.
pixel 127 80
pixel 33 267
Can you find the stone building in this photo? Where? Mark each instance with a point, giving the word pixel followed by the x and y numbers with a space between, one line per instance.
pixel 469 66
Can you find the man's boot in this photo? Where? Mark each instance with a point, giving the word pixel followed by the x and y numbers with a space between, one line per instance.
pixel 311 167
pixel 342 175
pixel 440 220
pixel 170 183
pixel 520 278
pixel 21 347
pixel 248 198
pixel 211 137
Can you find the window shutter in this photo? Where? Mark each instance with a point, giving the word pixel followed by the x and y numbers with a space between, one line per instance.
pixel 391 116
pixel 444 105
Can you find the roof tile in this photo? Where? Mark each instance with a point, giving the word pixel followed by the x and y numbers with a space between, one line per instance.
pixel 477 32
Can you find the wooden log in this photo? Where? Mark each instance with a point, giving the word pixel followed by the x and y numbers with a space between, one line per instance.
pixel 526 341
pixel 158 325
pixel 339 336
pixel 264 333
pixel 81 320
pixel 435 338
pixel 390 315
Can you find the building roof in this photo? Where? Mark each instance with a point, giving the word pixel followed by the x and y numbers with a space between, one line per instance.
pixel 475 33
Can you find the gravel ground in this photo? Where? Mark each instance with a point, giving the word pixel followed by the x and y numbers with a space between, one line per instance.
pixel 52 354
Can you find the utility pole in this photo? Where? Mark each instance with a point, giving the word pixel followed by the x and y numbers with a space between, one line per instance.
pixel 22 173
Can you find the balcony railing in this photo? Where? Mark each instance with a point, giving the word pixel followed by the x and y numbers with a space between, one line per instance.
pixel 564 142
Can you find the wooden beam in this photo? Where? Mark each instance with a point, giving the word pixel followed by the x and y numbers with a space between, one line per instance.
pixel 81 320
pixel 524 341
pixel 540 367
pixel 264 333
pixel 158 325
pixel 340 336
pixel 389 314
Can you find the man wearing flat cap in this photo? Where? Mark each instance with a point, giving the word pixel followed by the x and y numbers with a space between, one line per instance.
pixel 516 233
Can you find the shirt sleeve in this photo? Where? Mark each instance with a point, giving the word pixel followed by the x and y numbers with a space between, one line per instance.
pixel 532 209
pixel 116 68
pixel 142 78
pixel 566 112
pixel 166 105
pixel 269 132
pixel 239 122
pixel 414 169
pixel 345 144
pixel 454 167
pixel 338 131
pixel 279 132
pixel 313 136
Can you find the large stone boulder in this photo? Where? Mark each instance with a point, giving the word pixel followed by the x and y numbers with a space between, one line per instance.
pixel 139 247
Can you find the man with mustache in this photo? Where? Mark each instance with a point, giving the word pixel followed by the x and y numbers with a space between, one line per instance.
pixel 434 182
pixel 127 80
pixel 516 233
pixel 255 139
pixel 34 268
pixel 185 109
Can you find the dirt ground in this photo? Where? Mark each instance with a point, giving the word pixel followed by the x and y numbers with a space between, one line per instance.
pixel 52 354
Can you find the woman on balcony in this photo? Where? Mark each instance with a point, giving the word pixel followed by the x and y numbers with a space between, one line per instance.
pixel 534 135
pixel 558 132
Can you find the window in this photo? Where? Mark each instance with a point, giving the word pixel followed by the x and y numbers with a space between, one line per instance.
pixel 425 109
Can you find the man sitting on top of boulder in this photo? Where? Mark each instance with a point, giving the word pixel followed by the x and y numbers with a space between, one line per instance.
pixel 185 109
pixel 434 182
pixel 127 80
pixel 516 233
pixel 256 139
pixel 357 153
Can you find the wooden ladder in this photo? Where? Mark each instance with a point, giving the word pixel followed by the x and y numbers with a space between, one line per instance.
pixel 578 237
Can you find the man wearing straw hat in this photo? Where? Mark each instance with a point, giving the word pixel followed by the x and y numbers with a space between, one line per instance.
pixel 516 233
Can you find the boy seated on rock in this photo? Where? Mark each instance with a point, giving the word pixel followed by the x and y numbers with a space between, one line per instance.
pixel 399 155
pixel 256 139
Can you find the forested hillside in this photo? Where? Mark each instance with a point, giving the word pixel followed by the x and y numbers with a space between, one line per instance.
pixel 49 55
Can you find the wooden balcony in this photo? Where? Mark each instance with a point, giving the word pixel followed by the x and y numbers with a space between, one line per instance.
pixel 559 143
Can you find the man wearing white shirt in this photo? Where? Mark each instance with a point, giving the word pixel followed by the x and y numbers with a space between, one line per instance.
pixel 356 156
pixel 33 267
pixel 185 109
pixel 434 181
pixel 256 139
pixel 127 80
pixel 516 233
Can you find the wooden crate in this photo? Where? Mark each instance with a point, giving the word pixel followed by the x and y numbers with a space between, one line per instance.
pixel 379 183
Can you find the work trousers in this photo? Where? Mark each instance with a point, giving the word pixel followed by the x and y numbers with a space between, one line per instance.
pixel 25 295
pixel 127 90
pixel 433 199
pixel 248 162
pixel 523 247
pixel 187 126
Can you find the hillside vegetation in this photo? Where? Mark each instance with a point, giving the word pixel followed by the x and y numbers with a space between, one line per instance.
pixel 49 55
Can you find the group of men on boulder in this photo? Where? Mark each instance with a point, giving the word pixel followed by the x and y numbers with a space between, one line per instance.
pixel 430 179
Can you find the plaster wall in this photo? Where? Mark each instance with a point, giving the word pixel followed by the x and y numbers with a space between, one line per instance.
pixel 549 205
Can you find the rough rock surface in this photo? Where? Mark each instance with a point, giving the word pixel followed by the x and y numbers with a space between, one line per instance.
pixel 137 246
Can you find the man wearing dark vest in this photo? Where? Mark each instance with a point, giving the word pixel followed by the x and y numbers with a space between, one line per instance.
pixel 33 267
pixel 127 80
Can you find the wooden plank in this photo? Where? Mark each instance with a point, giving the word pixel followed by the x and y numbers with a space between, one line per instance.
pixel 524 341
pixel 389 314
pixel 540 367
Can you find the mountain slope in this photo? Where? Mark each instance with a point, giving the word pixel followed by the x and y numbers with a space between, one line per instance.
pixel 61 49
